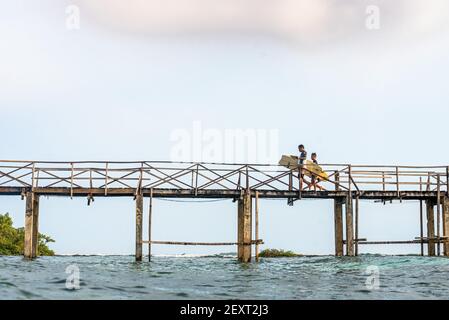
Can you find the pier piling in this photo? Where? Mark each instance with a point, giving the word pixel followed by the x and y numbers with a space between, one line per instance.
pixel 150 217
pixel 430 227
pixel 139 210
pixel 349 227
pixel 338 221
pixel 31 240
pixel 445 201
pixel 244 231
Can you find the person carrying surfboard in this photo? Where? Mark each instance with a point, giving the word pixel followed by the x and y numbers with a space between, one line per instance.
pixel 302 157
pixel 302 154
pixel 315 179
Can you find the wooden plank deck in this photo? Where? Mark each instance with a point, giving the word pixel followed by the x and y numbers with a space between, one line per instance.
pixel 218 193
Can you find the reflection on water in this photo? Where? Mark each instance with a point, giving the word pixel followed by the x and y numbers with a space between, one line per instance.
pixel 221 277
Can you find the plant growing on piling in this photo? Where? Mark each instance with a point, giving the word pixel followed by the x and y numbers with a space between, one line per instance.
pixel 12 239
pixel 277 253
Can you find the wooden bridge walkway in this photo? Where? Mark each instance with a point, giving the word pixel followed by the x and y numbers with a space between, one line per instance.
pixel 245 183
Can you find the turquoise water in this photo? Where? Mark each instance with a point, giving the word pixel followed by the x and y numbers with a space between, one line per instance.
pixel 221 277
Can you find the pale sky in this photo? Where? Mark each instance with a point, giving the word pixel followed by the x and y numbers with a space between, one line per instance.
pixel 136 71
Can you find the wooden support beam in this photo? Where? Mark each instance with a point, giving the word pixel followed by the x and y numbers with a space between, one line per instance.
pixel 27 245
pixel 446 224
pixel 244 228
pixel 31 240
pixel 150 217
pixel 35 241
pixel 257 225
pixel 139 210
pixel 190 243
pixel 430 227
pixel 356 241
pixel 349 228
pixel 421 228
pixel 338 221
pixel 438 215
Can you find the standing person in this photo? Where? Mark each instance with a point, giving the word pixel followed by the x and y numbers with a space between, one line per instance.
pixel 315 179
pixel 301 159
pixel 302 154
pixel 313 158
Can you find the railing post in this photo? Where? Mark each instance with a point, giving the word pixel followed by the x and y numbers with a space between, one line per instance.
pixel 447 180
pixel 350 180
pixel 71 181
pixel 247 177
pixel 337 180
pixel 397 182
pixel 106 180
pixel 32 177
pixel 196 179
pixel 290 187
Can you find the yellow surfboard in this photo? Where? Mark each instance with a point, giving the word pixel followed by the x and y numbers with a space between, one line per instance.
pixel 291 162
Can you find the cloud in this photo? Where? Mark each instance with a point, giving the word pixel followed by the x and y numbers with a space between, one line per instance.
pixel 299 20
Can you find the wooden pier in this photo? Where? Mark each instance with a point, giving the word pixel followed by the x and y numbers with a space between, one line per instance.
pixel 245 184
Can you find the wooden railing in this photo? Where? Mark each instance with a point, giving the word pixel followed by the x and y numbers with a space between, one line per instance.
pixel 216 176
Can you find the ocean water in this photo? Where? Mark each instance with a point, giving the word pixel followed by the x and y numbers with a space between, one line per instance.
pixel 222 277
